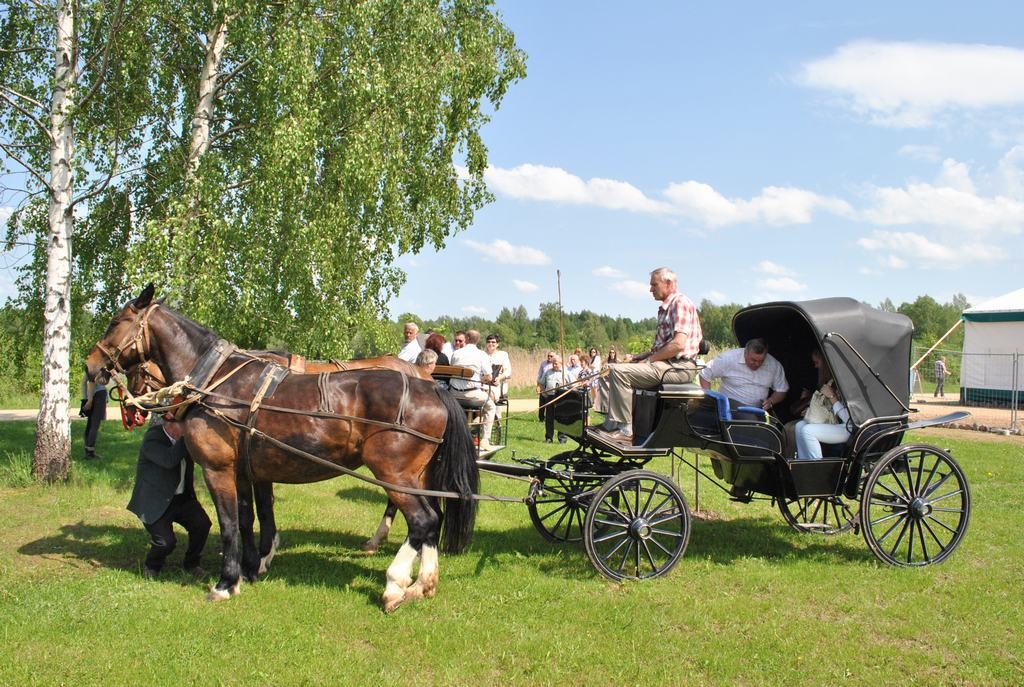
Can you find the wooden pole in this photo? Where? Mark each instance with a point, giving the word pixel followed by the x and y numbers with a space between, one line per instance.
pixel 936 344
pixel 561 326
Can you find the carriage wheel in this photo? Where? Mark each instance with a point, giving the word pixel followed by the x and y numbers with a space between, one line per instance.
pixel 818 514
pixel 915 506
pixel 637 526
pixel 558 513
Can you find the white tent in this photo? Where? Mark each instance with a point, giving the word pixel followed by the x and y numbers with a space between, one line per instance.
pixel 993 342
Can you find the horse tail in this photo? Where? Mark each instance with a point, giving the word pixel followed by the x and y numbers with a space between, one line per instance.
pixel 455 469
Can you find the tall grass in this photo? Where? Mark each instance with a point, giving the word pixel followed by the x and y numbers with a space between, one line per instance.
pixel 751 602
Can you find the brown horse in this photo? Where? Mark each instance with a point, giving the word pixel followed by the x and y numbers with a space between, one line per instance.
pixel 249 426
pixel 146 378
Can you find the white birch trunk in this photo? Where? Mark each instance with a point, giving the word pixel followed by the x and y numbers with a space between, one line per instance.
pixel 203 112
pixel 53 428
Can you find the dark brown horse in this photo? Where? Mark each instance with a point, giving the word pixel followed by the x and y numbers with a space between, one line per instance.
pixel 248 427
pixel 265 494
pixel 146 378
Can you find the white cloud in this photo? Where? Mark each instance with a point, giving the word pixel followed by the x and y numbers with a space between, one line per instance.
pixel 775 205
pixel 956 175
pixel 632 288
pixel 505 253
pixel 524 286
pixel 717 297
pixel 474 310
pixel 610 272
pixel 921 152
pixel 943 206
pixel 781 285
pixel 910 84
pixel 899 249
pixel 769 267
pixel 553 184
pixel 1011 174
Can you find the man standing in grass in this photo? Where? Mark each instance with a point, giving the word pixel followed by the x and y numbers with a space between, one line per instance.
pixel 165 494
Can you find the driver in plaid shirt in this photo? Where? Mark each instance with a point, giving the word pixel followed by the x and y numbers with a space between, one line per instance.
pixel 671 358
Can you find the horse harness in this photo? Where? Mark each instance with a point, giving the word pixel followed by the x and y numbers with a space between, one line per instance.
pixel 215 357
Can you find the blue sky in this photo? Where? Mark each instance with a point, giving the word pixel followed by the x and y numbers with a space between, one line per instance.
pixel 762 150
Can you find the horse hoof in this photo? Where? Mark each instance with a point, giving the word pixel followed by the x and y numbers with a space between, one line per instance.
pixel 224 594
pixel 369 547
pixel 268 559
pixel 218 595
pixel 420 591
pixel 392 602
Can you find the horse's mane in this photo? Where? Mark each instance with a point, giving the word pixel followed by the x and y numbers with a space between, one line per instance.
pixel 192 327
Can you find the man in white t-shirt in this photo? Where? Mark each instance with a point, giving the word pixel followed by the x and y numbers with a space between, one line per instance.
pixel 747 375
pixel 412 347
pixel 476 387
pixel 501 367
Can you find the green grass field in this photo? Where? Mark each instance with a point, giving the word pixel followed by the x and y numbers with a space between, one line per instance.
pixel 751 602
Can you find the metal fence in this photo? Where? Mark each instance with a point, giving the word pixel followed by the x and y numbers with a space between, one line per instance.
pixel 988 380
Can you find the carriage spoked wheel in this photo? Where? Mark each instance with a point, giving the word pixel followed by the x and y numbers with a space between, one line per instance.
pixel 637 526
pixel 915 506
pixel 818 514
pixel 558 513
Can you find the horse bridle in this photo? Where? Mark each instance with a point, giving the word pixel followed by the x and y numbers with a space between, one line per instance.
pixel 139 339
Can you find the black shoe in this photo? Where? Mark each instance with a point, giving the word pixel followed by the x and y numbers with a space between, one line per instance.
pixel 91 455
pixel 741 495
pixel 562 439
pixel 548 441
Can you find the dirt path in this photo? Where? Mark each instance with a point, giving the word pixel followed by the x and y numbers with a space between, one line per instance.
pixel 993 420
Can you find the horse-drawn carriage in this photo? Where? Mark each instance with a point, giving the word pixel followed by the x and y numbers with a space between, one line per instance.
pixel 910 502
pixel 250 423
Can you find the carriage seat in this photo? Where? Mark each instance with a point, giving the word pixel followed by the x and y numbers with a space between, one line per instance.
pixel 445 373
pixel 752 434
pixel 473 407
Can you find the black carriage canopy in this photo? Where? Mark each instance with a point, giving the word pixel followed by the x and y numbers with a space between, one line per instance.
pixel 868 350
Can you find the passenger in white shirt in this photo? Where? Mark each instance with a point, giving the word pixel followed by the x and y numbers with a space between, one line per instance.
pixel 412 347
pixel 476 387
pixel 747 375
pixel 501 367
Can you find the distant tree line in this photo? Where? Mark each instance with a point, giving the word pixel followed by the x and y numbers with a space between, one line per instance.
pixel 587 328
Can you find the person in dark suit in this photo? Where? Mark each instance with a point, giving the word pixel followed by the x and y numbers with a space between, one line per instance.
pixel 165 494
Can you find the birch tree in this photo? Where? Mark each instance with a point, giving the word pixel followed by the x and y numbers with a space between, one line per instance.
pixel 340 136
pixel 67 72
pixel 265 163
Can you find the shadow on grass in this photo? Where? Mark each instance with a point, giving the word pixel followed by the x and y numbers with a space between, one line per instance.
pixel 305 557
pixel 720 542
pixel 102 546
pixel 334 559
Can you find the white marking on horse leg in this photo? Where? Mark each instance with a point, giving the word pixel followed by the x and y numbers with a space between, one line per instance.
pixel 266 560
pixel 399 577
pixel 224 594
pixel 380 536
pixel 426 583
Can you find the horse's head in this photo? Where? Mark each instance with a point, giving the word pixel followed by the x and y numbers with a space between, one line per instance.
pixel 126 341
